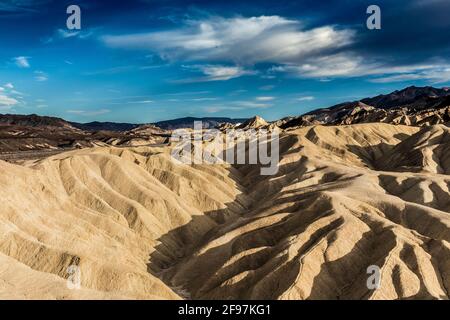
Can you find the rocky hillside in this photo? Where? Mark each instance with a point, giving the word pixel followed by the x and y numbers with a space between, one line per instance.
pixel 416 106
pixel 34 120
pixel 35 134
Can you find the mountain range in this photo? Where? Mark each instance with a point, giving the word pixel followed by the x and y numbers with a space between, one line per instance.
pixel 417 106
pixel 411 100
pixel 412 106
pixel 186 122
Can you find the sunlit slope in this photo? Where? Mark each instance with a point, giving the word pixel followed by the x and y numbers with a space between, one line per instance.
pixel 103 210
pixel 140 226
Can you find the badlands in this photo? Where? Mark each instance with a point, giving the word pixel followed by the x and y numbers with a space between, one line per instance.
pixel 140 226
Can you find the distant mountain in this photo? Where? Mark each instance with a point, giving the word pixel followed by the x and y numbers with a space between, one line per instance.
pixel 35 133
pixel 33 120
pixel 105 126
pixel 417 106
pixel 188 122
pixel 412 97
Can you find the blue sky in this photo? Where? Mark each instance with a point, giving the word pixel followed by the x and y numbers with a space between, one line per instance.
pixel 143 60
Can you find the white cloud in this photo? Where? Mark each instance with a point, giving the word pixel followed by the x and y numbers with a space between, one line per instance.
pixel 64 34
pixel 244 41
pixel 239 91
pixel 15 92
pixel 216 73
pixel 214 109
pixel 433 74
pixel 112 70
pixel 307 98
pixel 338 65
pixel 22 62
pixel 265 98
pixel 267 87
pixel 219 108
pixel 8 97
pixel 204 99
pixel 251 104
pixel 396 78
pixel 223 72
pixel 67 33
pixel 319 53
pixel 140 102
pixel 40 76
pixel 268 76
pixel 345 65
pixel 188 93
pixel 237 106
pixel 89 112
pixel 7 101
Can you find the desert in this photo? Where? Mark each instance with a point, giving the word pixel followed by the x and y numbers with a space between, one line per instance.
pixel 139 226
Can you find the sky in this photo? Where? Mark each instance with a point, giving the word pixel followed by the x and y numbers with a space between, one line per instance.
pixel 144 61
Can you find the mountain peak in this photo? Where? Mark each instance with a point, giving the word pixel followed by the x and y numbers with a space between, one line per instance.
pixel 254 123
pixel 409 96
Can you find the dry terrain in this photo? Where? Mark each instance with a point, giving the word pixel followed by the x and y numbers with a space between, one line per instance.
pixel 140 226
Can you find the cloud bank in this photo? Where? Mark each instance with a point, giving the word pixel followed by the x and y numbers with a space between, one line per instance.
pixel 237 44
pixel 243 41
